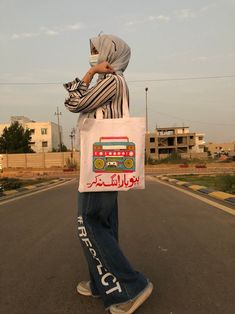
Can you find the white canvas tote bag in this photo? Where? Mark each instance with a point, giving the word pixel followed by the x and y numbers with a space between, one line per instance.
pixel 112 152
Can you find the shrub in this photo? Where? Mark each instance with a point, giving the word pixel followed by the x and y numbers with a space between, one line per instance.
pixel 71 164
pixel 10 183
pixel 226 183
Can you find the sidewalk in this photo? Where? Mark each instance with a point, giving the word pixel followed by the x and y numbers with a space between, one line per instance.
pixel 227 197
pixel 30 188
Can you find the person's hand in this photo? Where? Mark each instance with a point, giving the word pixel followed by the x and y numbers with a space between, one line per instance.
pixel 103 68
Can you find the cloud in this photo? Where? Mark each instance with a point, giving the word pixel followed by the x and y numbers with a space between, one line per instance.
pixel 135 22
pixel 49 31
pixel 181 14
pixel 151 18
pixel 208 7
pixel 185 14
pixel 23 35
pixel 160 18
pixel 53 31
pixel 74 27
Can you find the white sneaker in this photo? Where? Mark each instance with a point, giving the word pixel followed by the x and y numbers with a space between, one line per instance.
pixel 84 288
pixel 132 305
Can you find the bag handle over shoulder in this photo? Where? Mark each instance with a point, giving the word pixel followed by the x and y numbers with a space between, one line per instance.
pixel 111 138
pixel 99 113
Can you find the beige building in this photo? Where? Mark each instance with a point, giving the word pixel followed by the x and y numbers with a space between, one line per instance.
pixel 45 136
pixel 220 148
pixel 199 143
pixel 165 141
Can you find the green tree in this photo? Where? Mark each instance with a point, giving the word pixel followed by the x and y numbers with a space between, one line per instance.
pixel 15 139
pixel 63 148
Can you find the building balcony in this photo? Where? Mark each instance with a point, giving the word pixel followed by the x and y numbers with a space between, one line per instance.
pixel 166 146
pixel 182 144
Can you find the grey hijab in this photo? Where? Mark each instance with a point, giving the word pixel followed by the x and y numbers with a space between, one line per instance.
pixel 113 50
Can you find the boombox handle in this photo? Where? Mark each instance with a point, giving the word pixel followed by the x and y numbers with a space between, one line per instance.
pixel 114 138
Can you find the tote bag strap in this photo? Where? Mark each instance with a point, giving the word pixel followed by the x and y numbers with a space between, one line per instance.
pixel 125 108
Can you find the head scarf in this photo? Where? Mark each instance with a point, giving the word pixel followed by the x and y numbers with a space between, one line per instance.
pixel 113 50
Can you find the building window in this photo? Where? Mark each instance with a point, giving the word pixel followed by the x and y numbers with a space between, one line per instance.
pixel 171 141
pixel 191 137
pixel 200 138
pixel 180 140
pixel 152 139
pixel 43 131
pixel 44 144
pixel 152 150
pixel 32 131
pixel 165 151
pixel 32 143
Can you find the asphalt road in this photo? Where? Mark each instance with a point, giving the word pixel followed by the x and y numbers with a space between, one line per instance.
pixel 186 248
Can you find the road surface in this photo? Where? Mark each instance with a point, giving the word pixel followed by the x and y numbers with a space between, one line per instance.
pixel 185 246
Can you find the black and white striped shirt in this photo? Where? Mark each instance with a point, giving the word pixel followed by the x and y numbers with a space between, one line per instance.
pixel 107 93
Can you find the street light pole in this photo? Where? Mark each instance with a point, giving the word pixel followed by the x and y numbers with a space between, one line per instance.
pixel 147 129
pixel 146 107
pixel 58 114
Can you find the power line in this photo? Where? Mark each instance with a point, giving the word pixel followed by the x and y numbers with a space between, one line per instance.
pixel 194 121
pixel 185 78
pixel 129 81
pixel 27 83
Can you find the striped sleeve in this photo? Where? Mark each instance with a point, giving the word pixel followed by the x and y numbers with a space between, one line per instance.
pixel 84 99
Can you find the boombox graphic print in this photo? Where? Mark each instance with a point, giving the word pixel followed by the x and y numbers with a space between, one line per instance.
pixel 114 155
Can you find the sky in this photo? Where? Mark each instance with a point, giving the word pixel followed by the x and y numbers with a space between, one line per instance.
pixel 183 51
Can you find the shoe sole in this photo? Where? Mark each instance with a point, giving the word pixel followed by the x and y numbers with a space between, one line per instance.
pixel 87 294
pixel 83 292
pixel 139 301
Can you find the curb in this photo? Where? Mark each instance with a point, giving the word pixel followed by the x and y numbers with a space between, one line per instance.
pixel 24 190
pixel 227 197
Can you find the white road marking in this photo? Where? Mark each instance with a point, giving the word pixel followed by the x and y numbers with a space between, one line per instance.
pixel 16 197
pixel 201 198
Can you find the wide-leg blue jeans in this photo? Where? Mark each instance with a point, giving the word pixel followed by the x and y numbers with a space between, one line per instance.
pixel 112 277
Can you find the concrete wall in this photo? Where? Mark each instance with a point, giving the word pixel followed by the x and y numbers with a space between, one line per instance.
pixel 38 160
pixel 192 155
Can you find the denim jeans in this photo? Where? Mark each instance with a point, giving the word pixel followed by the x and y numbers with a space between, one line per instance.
pixel 111 275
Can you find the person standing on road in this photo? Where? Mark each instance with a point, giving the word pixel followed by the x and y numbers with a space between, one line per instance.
pixel 112 278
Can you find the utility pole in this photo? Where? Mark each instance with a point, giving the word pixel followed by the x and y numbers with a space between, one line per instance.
pixel 147 129
pixel 72 135
pixel 58 114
